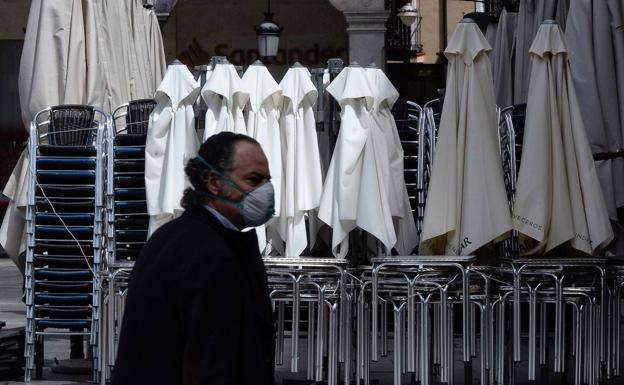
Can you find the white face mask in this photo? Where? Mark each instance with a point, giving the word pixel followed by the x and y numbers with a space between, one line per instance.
pixel 256 207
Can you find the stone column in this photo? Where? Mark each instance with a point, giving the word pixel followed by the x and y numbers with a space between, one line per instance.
pixel 366 20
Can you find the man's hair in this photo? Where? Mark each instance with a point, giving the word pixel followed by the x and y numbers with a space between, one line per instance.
pixel 218 150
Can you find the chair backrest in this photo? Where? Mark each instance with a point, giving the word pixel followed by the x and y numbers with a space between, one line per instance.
pixel 71 125
pixel 137 117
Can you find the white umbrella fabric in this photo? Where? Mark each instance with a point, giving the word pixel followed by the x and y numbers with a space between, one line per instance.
pixel 225 100
pixel 171 141
pixel 354 194
pixel 384 131
pixel 558 198
pixel 302 182
pixel 467 204
pixel 262 123
pixel 52 71
pixel 598 75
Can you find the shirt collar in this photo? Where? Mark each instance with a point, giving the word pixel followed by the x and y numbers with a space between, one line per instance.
pixel 224 221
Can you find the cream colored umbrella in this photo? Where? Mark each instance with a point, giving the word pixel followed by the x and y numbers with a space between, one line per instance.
pixel 262 123
pixel 53 64
pixel 52 72
pixel 558 197
pixel 384 130
pixel 171 142
pixel 302 181
pixel 225 100
pixel 466 204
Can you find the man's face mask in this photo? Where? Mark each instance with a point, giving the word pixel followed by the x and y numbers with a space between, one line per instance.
pixel 256 207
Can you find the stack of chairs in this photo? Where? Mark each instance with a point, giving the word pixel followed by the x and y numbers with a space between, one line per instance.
pixel 407 116
pixel 126 216
pixel 126 208
pixel 64 227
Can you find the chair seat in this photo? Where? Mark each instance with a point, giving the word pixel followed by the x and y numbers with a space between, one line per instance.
pixel 63 312
pixel 131 207
pixel 65 205
pixel 60 232
pixel 132 223
pixel 63 324
pixel 130 152
pixel 66 177
pixel 125 140
pixel 130 165
pixel 128 181
pixel 67 219
pixel 65 163
pixel 67 248
pixel 54 191
pixel 62 262
pixel 135 193
pixel 130 236
pixel 63 274
pixel 62 299
pixel 56 150
pixel 64 287
pixel 127 253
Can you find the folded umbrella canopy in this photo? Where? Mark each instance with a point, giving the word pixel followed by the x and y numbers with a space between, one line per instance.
pixel 558 197
pixel 466 204
pixel 52 71
pixel 171 142
pixel 531 13
pixel 225 100
pixel 125 52
pixel 262 122
pixel 597 68
pixel 384 130
pixel 262 118
pixel 302 181
pixel 357 192
pixel 53 64
pixel 501 58
pixel 79 52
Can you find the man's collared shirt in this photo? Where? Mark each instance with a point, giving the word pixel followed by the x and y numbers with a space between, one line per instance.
pixel 224 221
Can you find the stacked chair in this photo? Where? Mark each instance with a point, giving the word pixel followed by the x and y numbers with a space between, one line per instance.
pixel 126 216
pixel 64 227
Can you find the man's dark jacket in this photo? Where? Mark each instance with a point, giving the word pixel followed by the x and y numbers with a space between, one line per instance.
pixel 198 308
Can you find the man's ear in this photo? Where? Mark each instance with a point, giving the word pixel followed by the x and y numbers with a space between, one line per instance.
pixel 213 182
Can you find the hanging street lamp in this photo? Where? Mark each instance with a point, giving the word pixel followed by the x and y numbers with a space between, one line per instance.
pixel 268 33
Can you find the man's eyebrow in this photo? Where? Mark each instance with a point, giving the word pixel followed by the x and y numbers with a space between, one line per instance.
pixel 259 174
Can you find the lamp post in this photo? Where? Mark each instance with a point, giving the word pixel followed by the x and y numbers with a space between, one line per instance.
pixel 268 33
